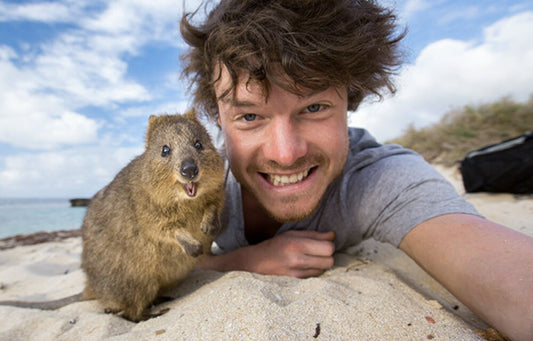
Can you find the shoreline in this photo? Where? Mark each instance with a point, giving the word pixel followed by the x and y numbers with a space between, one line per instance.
pixel 37 238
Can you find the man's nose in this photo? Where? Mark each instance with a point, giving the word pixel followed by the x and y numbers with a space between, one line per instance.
pixel 285 142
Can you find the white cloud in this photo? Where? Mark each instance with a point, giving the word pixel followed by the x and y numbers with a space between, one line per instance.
pixel 38 130
pixel 449 74
pixel 67 173
pixel 141 19
pixel 159 109
pixel 414 6
pixel 39 100
pixel 42 91
pixel 87 75
pixel 463 13
pixel 117 15
pixel 41 11
pixel 34 119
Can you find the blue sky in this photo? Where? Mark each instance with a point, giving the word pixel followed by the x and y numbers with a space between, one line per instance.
pixel 79 78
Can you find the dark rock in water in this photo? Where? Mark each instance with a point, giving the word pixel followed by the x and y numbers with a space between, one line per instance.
pixel 37 238
pixel 79 202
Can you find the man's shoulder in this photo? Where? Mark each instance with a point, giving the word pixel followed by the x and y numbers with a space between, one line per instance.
pixel 365 150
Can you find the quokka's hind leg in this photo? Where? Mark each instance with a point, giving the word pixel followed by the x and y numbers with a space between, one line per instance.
pixel 111 310
pixel 138 313
pixel 136 304
pixel 118 305
pixel 128 310
pixel 88 293
pixel 135 314
pixel 110 306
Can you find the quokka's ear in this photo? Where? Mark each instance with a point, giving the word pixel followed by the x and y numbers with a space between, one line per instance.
pixel 151 120
pixel 152 123
pixel 190 114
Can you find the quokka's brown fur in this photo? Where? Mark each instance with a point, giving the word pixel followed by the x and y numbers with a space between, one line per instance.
pixel 146 230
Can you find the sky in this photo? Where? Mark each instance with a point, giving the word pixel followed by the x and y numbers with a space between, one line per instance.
pixel 79 79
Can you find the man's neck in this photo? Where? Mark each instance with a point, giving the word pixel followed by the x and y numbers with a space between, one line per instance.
pixel 258 224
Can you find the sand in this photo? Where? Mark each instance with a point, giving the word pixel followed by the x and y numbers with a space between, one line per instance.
pixel 374 292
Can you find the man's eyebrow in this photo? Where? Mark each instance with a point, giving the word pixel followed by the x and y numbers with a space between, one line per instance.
pixel 238 103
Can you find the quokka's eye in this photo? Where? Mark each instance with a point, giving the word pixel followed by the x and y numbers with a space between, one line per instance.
pixel 165 151
pixel 198 145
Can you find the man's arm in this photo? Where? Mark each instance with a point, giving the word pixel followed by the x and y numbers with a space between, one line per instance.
pixel 293 253
pixel 485 265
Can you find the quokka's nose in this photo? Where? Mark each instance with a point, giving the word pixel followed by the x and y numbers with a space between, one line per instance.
pixel 189 169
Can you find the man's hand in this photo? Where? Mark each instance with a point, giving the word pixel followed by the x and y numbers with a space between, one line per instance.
pixel 293 253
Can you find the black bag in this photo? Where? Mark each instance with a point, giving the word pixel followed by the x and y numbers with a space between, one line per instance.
pixel 503 167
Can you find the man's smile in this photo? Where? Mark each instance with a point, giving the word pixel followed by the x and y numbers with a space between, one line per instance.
pixel 280 180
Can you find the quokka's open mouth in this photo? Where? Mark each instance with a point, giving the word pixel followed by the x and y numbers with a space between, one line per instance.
pixel 190 188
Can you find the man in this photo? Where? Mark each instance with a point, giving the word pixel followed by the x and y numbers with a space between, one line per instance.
pixel 278 77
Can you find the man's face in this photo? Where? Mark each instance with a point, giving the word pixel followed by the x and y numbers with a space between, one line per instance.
pixel 287 150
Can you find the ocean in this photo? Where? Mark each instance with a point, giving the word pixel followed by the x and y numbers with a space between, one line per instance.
pixel 25 216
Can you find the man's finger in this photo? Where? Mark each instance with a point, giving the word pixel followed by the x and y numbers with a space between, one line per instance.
pixel 320 248
pixel 320 263
pixel 330 235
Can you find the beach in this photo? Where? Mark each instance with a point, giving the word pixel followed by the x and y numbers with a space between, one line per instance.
pixel 374 292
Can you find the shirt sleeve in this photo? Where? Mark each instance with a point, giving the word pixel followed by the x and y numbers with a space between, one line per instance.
pixel 394 194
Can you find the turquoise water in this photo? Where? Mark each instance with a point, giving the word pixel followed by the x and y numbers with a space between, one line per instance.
pixel 23 216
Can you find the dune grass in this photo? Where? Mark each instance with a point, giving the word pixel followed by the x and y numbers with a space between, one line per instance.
pixel 470 128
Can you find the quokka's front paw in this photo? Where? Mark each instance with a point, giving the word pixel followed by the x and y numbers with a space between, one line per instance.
pixel 194 250
pixel 211 228
pixel 210 223
pixel 191 246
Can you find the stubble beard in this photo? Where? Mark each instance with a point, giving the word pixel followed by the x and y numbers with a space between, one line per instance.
pixel 292 209
pixel 291 202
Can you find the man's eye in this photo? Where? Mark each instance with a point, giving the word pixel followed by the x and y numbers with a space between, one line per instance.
pixel 314 107
pixel 249 117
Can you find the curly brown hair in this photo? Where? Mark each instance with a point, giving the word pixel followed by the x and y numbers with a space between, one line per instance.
pixel 317 44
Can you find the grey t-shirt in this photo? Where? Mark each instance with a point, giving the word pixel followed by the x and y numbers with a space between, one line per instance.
pixel 383 192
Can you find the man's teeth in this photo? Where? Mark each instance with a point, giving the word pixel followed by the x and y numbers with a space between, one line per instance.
pixel 283 180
